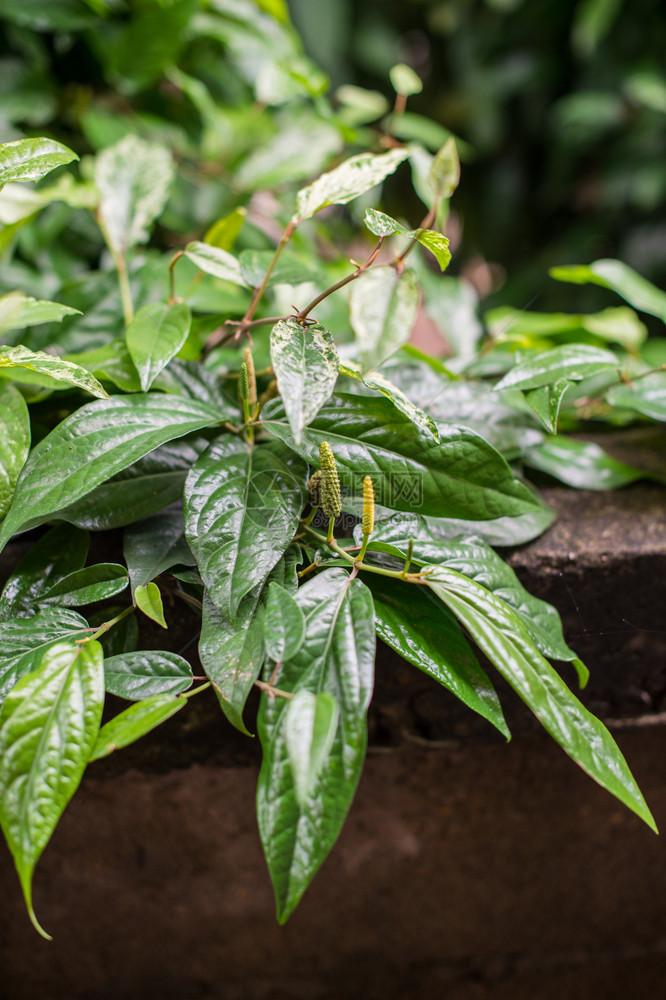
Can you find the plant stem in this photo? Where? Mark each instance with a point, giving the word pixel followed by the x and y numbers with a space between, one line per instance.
pixel 105 626
pixel 273 691
pixel 358 563
pixel 172 275
pixel 260 289
pixel 191 694
pixel 341 284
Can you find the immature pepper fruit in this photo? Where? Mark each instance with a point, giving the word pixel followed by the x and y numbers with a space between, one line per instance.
pixel 248 361
pixel 331 503
pixel 368 520
pixel 314 488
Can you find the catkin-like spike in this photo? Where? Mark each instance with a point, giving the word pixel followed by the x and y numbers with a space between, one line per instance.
pixel 248 361
pixel 331 503
pixel 368 520
pixel 243 386
pixel 314 488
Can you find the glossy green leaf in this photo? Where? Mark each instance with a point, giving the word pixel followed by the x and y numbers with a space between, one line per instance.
pixel 379 382
pixel 23 641
pixel 502 636
pixel 133 179
pixel 92 445
pixel 85 586
pixel 190 379
pixel 17 311
pixel 646 395
pixel 306 366
pixel 426 634
pixel 48 727
pixel 545 402
pixel 444 174
pixel 337 659
pixel 620 325
pixel 571 361
pixel 284 625
pixel 14 360
pixel 404 80
pixel 242 506
pixel 461 476
pixel 383 307
pixel 351 178
pixel 383 225
pixel 149 600
pixel 31 159
pixel 310 725
pixel 154 545
pixel 14 442
pixel 59 552
pixel 215 261
pixel 155 336
pixel 135 722
pixel 614 274
pixel 145 673
pixel 224 233
pixel 289 269
pixel 581 464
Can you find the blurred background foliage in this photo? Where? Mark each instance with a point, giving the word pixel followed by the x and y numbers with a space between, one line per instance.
pixel 559 106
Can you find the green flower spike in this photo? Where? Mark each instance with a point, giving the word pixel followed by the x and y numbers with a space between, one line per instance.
pixel 331 504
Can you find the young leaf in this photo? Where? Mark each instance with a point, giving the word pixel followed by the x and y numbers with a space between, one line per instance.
pixel 501 635
pixel 14 442
pixel 17 311
pixel 571 361
pixel 155 336
pixel 85 586
pixel 217 262
pixel 147 672
pixel 310 725
pixel 634 288
pixel 383 307
pixel 383 225
pixel 92 445
pixel 646 395
pixel 149 600
pixel 154 545
pixel 23 641
pixel 31 159
pixel 48 727
pixel 545 402
pixel 444 173
pixel 379 382
pixel 59 552
pixel 284 625
pixel 242 507
pixel 353 177
pixel 581 464
pixel 404 80
pixel 135 722
pixel 306 367
pixel 14 361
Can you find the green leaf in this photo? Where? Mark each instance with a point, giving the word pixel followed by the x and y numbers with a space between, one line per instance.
pixel 242 506
pixel 155 336
pixel 17 311
pixel 31 159
pixel 383 225
pixel 545 402
pixel 154 545
pixel 133 179
pixel 444 174
pixel 137 720
pixel 426 634
pixel 13 361
pixel 646 395
pixel 224 233
pixel 379 382
pixel 501 635
pixel 290 269
pixel 145 673
pixel 48 726
pixel 581 464
pixel 47 15
pixel 59 552
pixel 404 80
pixel 570 361
pixel 92 445
pixel 461 476
pixel 23 641
pixel 14 442
pixel 310 725
pixel 149 600
pixel 85 586
pixel 306 367
pixel 383 307
pixel 349 180
pixel 336 659
pixel 217 262
pixel 631 286
pixel 284 625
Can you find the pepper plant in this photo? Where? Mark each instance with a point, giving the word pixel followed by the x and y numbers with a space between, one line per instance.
pixel 282 462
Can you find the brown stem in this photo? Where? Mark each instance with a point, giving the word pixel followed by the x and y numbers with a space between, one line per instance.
pixel 340 284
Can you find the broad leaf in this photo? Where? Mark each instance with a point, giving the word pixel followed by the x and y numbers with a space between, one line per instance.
pixel 152 546
pixel 284 625
pixel 31 159
pixel 545 402
pixel 310 726
pixel 581 464
pixel 620 325
pixel 383 307
pixel 85 586
pixel 17 311
pixel 306 367
pixel 15 361
pixel 462 476
pixel 501 635
pixel 14 442
pixel 59 552
pixel 147 672
pixel 23 641
pixel 614 274
pixel 149 600
pixel 92 445
pixel 155 336
pixel 242 506
pixel 571 361
pixel 645 395
pixel 383 225
pixel 353 177
pixel 337 659
pixel 133 179
pixel 135 722
pixel 377 381
pixel 48 727
pixel 217 262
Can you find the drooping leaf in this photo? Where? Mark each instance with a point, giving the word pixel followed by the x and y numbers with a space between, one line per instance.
pixel 284 625
pixel 59 552
pixel 379 382
pixel 499 632
pixel 571 361
pixel 582 464
pixel 154 545
pixel 646 395
pixel 135 722
pixel 92 445
pixel 310 726
pixel 48 727
pixel 383 308
pixel 17 311
pixel 614 274
pixel 14 442
pixel 23 641
pixel 85 586
pixel 337 659
pixel 14 361
pixel 149 600
pixel 155 336
pixel 546 401
pixel 242 506
pixel 145 673
pixel 31 159
pixel 306 366
pixel 215 261
pixel 353 177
